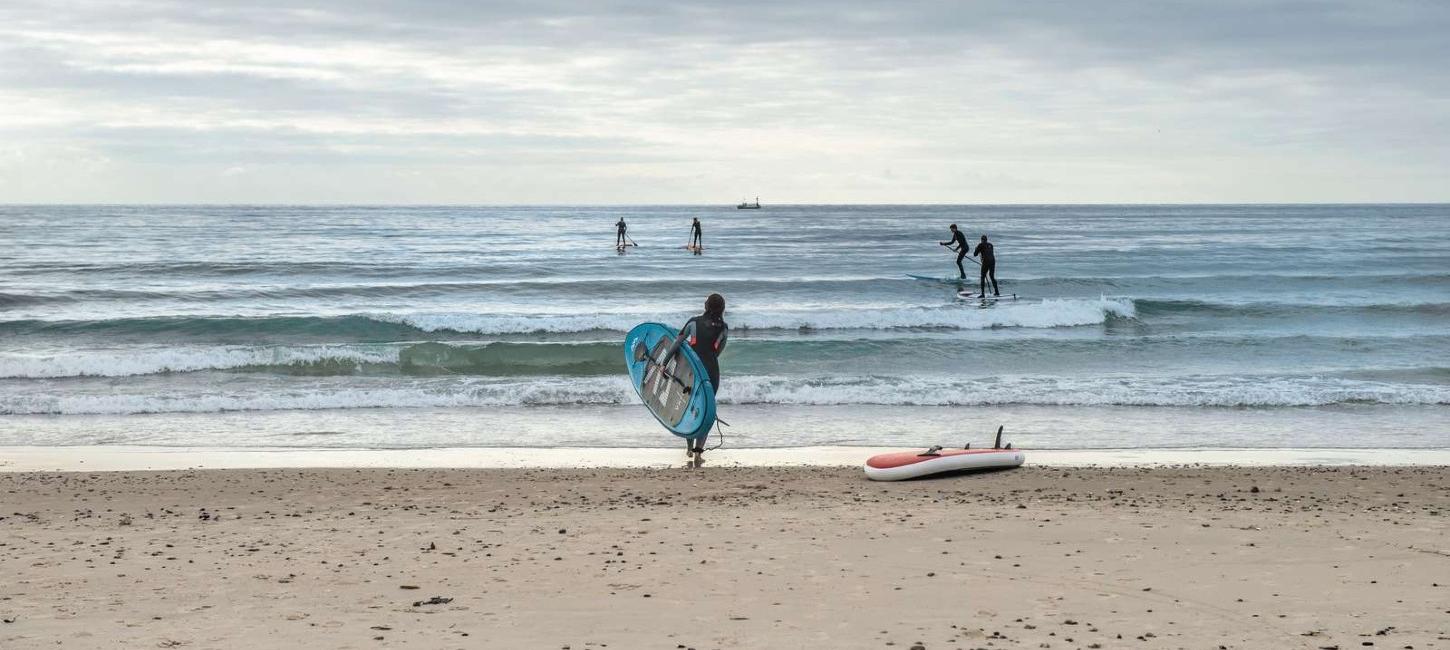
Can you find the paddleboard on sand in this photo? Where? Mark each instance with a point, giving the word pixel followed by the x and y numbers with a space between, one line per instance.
pixel 936 460
pixel 676 390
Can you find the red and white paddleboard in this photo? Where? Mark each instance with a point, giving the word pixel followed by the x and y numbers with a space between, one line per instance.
pixel 911 464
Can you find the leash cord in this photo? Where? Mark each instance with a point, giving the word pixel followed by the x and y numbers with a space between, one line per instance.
pixel 719 433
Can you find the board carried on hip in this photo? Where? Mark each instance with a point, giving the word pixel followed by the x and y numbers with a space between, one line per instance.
pixel 676 390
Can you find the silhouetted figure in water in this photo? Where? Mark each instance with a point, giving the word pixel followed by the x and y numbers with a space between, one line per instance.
pixel 961 248
pixel 989 267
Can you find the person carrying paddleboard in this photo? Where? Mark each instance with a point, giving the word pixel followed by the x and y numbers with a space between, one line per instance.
pixel 619 238
pixel 706 335
pixel 696 239
pixel 989 267
pixel 960 241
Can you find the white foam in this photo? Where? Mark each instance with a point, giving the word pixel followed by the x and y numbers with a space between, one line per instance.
pixel 1201 391
pixel 1192 391
pixel 1046 313
pixel 423 394
pixel 154 360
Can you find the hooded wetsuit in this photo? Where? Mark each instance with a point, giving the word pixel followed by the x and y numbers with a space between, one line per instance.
pixel 619 237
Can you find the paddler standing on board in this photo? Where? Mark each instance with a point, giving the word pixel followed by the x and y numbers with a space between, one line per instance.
pixel 958 243
pixel 696 240
pixel 989 267
pixel 706 335
pixel 620 238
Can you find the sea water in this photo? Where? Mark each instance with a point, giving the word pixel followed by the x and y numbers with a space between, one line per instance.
pixel 1160 326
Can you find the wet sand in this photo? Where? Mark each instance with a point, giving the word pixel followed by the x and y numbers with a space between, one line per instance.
pixel 785 557
pixel 110 458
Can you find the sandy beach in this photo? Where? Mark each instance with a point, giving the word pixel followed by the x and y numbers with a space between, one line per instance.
pixel 575 325
pixel 799 557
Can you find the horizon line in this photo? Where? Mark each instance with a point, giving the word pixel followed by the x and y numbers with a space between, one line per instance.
pixel 713 205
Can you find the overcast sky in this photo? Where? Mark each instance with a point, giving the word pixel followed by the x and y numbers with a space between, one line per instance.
pixel 604 101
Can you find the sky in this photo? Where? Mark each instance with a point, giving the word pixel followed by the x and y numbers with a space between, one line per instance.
pixel 686 102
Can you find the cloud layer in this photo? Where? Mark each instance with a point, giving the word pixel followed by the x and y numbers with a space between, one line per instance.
pixel 554 101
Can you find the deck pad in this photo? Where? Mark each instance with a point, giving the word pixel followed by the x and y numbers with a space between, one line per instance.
pixel 676 390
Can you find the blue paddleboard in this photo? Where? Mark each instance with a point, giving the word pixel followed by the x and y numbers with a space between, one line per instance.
pixel 676 391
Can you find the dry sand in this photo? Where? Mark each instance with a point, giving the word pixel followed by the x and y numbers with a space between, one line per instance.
pixel 726 558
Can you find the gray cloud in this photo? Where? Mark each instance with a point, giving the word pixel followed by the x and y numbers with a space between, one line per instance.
pixel 577 101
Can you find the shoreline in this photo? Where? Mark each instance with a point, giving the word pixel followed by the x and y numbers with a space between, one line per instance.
pixel 108 458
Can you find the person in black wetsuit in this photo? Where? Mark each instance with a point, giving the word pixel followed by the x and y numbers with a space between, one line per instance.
pixel 696 239
pixel 619 237
pixel 989 267
pixel 706 335
pixel 961 248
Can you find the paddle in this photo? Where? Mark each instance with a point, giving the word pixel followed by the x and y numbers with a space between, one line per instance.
pixel 958 250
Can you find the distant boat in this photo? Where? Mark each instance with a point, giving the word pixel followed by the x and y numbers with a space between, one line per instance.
pixel 749 206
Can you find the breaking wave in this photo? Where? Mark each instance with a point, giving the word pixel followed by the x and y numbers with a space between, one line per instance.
pixel 323 359
pixel 1048 313
pixel 385 326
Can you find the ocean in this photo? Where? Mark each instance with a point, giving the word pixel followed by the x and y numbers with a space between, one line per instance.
pixel 413 327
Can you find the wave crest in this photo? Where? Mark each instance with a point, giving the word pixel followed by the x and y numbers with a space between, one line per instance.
pixel 396 326
pixel 1043 314
pixel 325 359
